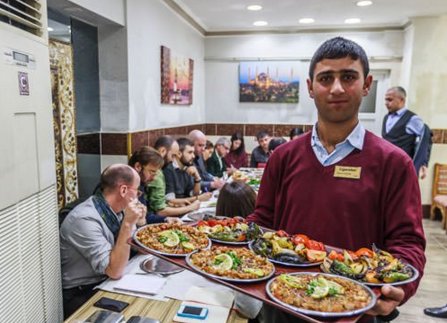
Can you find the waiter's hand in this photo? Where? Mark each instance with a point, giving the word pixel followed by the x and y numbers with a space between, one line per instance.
pixel 390 299
pixel 423 172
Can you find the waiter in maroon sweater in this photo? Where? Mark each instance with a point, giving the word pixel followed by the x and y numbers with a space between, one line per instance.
pixel 341 184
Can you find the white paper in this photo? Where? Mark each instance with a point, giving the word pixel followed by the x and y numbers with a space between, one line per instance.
pixel 144 284
pixel 222 297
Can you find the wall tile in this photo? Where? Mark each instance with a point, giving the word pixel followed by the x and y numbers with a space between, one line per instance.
pixel 227 129
pixel 438 136
pixel 253 129
pixel 154 135
pixel 88 144
pixel 114 143
pixel 210 129
pixel 182 131
pixel 139 139
pixel 444 135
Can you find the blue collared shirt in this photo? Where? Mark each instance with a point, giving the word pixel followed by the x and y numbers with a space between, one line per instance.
pixel 343 149
pixel 414 127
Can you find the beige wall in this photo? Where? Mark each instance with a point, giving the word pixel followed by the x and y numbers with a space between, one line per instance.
pixel 428 79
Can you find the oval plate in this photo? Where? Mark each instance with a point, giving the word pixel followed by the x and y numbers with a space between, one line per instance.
pixel 158 266
pixel 288 264
pixel 402 282
pixel 142 245
pixel 323 314
pixel 234 243
pixel 233 280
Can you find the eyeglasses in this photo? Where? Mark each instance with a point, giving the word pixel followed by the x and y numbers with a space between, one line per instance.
pixel 139 193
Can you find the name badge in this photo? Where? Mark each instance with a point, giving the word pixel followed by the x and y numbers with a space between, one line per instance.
pixel 347 172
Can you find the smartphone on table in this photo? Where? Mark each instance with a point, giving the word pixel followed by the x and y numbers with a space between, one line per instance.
pixel 111 304
pixel 195 312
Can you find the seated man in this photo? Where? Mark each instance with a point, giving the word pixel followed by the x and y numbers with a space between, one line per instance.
pixel 260 155
pixel 182 178
pixel 93 236
pixel 216 165
pixel 209 183
pixel 156 189
pixel 147 162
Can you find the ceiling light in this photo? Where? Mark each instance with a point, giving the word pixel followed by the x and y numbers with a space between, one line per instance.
pixel 306 21
pixel 254 7
pixel 50 29
pixel 352 21
pixel 260 23
pixel 364 3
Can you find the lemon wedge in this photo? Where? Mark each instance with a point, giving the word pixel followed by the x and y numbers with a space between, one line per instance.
pixel 223 262
pixel 172 239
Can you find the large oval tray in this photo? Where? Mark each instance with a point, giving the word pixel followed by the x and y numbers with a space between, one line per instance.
pixel 142 245
pixel 318 313
pixel 233 280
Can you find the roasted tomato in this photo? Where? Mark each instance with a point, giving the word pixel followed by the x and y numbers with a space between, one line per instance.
pixel 282 233
pixel 315 245
pixel 300 239
pixel 364 252
pixel 212 223
pixel 334 255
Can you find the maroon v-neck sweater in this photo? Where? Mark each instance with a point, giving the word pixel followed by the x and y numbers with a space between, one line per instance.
pixel 383 206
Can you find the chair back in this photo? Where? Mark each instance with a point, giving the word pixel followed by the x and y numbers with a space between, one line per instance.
pixel 440 180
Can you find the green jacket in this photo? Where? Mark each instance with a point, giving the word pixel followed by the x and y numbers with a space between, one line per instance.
pixel 156 192
pixel 213 166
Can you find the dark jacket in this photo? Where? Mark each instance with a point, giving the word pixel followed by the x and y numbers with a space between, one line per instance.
pixel 214 167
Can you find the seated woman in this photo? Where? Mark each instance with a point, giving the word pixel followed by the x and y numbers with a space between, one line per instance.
pixel 236 199
pixel 237 157
pixel 209 148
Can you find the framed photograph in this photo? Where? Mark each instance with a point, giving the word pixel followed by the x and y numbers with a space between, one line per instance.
pixel 272 82
pixel 176 78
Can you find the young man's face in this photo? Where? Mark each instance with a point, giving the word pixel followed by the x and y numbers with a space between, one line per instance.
pixel 147 173
pixel 338 88
pixel 264 143
pixel 187 155
pixel 393 101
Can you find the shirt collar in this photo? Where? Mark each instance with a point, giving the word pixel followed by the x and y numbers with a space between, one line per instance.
pixel 401 111
pixel 355 138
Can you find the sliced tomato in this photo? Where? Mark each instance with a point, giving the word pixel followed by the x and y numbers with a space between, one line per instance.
pixel 212 223
pixel 281 233
pixel 300 239
pixel 315 245
pixel 202 223
pixel 364 252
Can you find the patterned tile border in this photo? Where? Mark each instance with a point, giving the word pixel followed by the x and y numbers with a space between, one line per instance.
pixel 117 143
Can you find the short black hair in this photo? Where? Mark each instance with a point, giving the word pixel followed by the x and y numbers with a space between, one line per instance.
pixel 275 142
pixel 183 142
pixel 295 132
pixel 339 47
pixel 261 134
pixel 164 141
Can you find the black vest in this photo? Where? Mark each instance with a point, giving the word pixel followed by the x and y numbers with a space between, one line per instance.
pixel 397 134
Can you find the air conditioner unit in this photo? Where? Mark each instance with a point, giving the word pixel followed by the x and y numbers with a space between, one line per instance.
pixel 29 244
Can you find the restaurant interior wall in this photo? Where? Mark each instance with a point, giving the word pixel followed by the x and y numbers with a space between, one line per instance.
pixel 223 54
pixel 426 94
pixel 151 24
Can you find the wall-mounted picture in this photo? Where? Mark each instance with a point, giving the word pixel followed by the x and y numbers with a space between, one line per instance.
pixel 274 82
pixel 176 78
